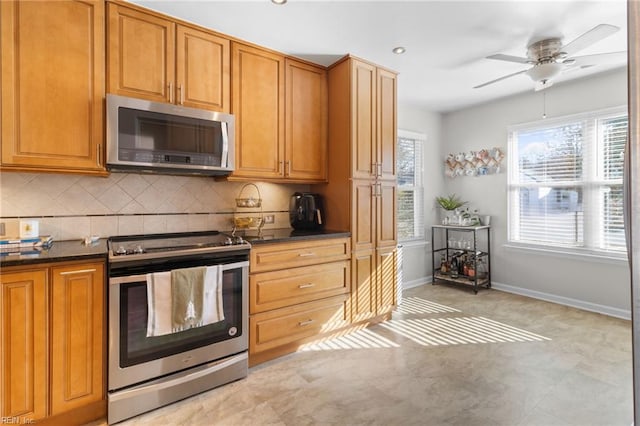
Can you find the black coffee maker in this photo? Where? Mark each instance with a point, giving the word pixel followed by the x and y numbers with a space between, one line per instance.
pixel 306 211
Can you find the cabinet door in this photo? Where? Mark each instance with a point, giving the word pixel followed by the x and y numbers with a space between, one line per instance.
pixel 52 85
pixel 306 122
pixel 258 104
pixel 140 55
pixel 363 300
pixel 202 69
pixel 363 95
pixel 386 205
pixel 363 214
pixel 23 345
pixel 77 336
pixel 386 280
pixel 387 126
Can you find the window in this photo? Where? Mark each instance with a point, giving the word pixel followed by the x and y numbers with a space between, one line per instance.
pixel 410 190
pixel 565 182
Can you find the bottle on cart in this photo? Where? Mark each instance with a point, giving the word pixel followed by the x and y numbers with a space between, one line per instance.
pixel 444 265
pixel 471 271
pixel 454 267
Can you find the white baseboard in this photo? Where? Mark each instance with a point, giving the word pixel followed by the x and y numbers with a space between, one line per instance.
pixel 548 297
pixel 574 303
pixel 416 283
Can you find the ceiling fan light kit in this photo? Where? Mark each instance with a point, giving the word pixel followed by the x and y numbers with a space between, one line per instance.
pixel 550 57
pixel 545 71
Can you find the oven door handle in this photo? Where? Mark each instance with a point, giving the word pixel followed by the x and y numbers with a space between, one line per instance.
pixel 143 277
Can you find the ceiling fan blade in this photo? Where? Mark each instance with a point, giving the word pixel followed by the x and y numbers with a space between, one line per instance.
pixel 595 34
pixel 573 68
pixel 501 78
pixel 510 58
pixel 599 58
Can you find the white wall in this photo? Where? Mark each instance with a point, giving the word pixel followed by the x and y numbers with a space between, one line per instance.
pixel 594 285
pixel 416 265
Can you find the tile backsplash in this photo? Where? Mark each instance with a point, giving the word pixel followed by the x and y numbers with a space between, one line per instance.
pixel 71 207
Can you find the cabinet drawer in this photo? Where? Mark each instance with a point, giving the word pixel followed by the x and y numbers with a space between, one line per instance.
pixel 277 289
pixel 302 253
pixel 281 326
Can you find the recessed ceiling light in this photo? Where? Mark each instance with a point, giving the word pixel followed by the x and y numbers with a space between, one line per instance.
pixel 278 1
pixel 399 50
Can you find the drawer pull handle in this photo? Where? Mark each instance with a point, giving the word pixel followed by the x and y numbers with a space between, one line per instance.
pixel 306 254
pixel 306 285
pixel 79 271
pixel 307 322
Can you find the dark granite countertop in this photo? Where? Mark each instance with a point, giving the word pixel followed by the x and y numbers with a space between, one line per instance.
pixel 287 234
pixel 58 252
pixel 76 249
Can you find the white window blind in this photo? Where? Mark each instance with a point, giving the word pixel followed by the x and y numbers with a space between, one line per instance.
pixel 565 181
pixel 410 186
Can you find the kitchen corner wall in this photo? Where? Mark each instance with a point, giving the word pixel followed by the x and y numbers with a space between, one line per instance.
pixel 70 207
pixel 593 284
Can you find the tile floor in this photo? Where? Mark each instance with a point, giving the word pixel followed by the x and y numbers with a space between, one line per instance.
pixel 448 357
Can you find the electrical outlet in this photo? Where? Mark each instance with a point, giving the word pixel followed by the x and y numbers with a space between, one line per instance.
pixel 269 219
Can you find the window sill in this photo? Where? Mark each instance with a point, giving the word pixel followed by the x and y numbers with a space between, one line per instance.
pixel 568 253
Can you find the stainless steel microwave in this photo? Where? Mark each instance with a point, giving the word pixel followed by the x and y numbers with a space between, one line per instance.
pixel 163 138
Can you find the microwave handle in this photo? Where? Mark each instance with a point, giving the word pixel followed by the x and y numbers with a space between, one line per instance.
pixel 224 160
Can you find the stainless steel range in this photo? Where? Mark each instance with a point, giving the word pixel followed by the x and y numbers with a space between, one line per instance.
pixel 156 356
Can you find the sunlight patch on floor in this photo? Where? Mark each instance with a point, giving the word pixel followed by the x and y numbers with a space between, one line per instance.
pixel 458 331
pixel 359 339
pixel 416 305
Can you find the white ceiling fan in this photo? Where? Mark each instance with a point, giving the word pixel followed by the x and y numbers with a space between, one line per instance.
pixel 549 57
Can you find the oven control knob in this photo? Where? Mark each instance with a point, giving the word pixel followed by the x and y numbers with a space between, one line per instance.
pixel 138 249
pixel 238 240
pixel 228 241
pixel 121 250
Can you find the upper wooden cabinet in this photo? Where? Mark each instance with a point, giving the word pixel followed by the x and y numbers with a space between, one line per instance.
pixel 52 85
pixel 258 104
pixel 281 116
pixel 363 123
pixel 387 126
pixel 152 57
pixel 306 121
pixel 373 93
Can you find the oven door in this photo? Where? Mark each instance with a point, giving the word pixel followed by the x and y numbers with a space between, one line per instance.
pixel 135 358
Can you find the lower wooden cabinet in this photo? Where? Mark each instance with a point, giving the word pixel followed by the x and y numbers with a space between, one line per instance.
pixel 288 325
pixel 297 292
pixel 52 342
pixel 24 355
pixel 373 284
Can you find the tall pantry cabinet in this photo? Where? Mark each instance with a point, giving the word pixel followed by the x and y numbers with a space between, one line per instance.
pixel 361 192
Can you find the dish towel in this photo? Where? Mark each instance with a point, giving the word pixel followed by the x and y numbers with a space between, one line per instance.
pixel 212 308
pixel 187 293
pixel 159 304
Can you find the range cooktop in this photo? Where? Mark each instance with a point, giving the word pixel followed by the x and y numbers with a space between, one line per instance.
pixel 159 245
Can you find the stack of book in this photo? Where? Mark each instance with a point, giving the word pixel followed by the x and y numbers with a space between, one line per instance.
pixel 25 245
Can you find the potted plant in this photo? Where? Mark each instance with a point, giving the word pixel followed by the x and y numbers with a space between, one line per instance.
pixel 451 202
